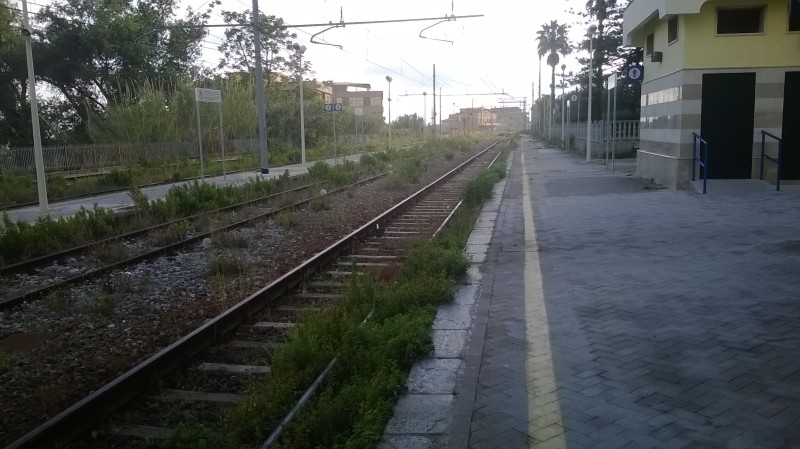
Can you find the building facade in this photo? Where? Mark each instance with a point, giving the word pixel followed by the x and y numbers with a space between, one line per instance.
pixel 469 121
pixel 359 96
pixel 724 69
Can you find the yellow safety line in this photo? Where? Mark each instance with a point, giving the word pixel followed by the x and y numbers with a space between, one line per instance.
pixel 545 429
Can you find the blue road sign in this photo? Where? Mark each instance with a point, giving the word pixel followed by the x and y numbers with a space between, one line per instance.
pixel 333 107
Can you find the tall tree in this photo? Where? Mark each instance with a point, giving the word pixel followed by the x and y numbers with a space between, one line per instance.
pixel 609 55
pixel 552 40
pixel 14 112
pixel 279 54
pixel 93 52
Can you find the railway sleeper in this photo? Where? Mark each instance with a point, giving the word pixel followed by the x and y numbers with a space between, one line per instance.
pixel 230 369
pixel 201 396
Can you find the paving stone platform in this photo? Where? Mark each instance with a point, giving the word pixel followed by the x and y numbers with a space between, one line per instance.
pixel 668 319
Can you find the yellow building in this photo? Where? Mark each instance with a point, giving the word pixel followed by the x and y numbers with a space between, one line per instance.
pixel 725 69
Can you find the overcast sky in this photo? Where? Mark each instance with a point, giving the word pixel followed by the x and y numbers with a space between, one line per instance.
pixel 490 54
pixel 495 53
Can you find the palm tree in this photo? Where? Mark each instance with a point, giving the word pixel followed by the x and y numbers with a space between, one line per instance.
pixel 552 41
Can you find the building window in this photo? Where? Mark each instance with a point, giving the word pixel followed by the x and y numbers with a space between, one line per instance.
pixel 672 30
pixel 375 101
pixel 357 102
pixel 648 48
pixel 740 20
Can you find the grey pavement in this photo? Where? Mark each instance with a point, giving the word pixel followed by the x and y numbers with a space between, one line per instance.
pixel 672 319
pixel 120 201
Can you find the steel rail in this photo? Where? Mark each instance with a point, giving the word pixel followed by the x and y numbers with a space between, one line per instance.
pixel 76 419
pixel 312 389
pixel 158 252
pixel 27 264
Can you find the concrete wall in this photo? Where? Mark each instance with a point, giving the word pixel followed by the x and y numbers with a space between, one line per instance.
pixel 776 47
pixel 671 110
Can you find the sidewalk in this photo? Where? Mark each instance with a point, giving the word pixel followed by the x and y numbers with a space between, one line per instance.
pixel 120 200
pixel 611 314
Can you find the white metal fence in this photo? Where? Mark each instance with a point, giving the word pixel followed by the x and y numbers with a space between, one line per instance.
pixel 78 158
pixel 601 131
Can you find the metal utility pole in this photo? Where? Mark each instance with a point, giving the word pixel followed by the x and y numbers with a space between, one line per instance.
pixel 389 80
pixel 589 117
pixel 260 95
pixel 563 100
pixel 41 182
pixel 524 110
pixel 302 49
pixel 424 114
pixel 434 101
pixel 533 105
pixel 440 107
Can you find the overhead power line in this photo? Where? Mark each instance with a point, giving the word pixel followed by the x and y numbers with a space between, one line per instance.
pixel 457 95
pixel 340 24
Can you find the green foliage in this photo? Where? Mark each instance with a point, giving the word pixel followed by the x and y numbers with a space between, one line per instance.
pixel 354 403
pixel 321 203
pixel 288 220
pixel 226 267
pixel 230 240
pixel 6 359
pixel 480 189
pixel 21 240
pixel 320 171
pixel 374 162
pixel 407 171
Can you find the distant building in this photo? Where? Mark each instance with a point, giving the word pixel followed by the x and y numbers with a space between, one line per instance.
pixel 510 119
pixel 469 121
pixel 359 96
pixel 725 69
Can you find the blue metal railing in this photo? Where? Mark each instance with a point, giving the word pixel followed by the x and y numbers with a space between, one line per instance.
pixel 705 147
pixel 778 161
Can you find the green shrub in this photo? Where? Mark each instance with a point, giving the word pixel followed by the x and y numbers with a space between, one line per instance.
pixel 288 220
pixel 480 189
pixel 226 267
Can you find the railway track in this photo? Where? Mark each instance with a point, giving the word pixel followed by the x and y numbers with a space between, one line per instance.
pixel 18 296
pixel 206 370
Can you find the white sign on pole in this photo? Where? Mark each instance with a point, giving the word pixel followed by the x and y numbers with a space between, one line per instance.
pixel 202 95
pixel 207 95
pixel 612 81
pixel 359 111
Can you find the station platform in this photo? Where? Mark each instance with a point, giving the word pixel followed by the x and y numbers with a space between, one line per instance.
pixel 604 312
pixel 120 201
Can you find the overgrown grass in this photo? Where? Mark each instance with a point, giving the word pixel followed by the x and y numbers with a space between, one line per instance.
pixel 480 189
pixel 226 267
pixel 374 356
pixel 22 240
pixel 288 220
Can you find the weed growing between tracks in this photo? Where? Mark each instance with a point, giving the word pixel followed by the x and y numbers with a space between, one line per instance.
pixel 374 357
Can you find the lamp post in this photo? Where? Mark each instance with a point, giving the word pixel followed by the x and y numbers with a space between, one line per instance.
pixel 389 79
pixel 300 50
pixel 563 67
pixel 592 29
